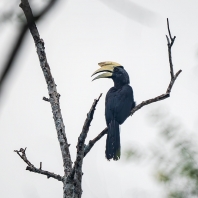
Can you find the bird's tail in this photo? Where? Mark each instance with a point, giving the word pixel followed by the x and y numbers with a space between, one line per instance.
pixel 113 141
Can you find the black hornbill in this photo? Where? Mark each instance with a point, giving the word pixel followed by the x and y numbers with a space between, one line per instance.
pixel 118 104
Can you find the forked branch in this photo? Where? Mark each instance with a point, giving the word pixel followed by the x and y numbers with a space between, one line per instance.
pixel 76 172
pixel 32 168
pixel 170 42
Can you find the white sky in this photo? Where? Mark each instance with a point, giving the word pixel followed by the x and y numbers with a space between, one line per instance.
pixel 77 35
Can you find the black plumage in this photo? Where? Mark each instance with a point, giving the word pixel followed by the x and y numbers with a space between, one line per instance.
pixel 118 105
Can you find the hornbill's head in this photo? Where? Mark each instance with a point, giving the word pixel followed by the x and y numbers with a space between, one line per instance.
pixel 112 70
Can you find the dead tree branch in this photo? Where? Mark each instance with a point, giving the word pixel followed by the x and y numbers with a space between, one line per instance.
pixel 89 146
pixel 170 42
pixel 32 168
pixel 53 94
pixel 77 169
pixel 46 99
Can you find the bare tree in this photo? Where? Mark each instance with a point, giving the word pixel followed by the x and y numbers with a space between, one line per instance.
pixel 72 177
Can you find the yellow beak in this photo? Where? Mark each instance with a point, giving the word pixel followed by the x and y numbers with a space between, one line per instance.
pixel 108 67
pixel 104 69
pixel 104 75
pixel 108 63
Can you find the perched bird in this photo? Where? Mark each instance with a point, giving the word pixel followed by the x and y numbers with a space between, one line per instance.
pixel 118 104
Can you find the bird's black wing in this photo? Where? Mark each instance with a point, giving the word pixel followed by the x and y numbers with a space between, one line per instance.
pixel 110 104
pixel 119 103
pixel 124 103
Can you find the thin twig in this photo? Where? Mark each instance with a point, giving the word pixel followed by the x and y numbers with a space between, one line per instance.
pixel 53 94
pixel 32 168
pixel 170 44
pixel 46 99
pixel 169 29
pixel 170 59
pixel 173 77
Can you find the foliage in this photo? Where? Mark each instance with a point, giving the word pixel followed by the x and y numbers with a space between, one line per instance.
pixel 175 156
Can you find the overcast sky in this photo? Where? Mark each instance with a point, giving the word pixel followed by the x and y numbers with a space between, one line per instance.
pixel 79 34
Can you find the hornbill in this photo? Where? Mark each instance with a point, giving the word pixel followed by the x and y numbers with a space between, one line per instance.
pixel 118 104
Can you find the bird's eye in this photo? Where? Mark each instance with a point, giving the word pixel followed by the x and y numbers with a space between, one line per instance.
pixel 116 69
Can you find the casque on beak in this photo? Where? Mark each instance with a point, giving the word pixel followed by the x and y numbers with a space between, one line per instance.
pixel 107 67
